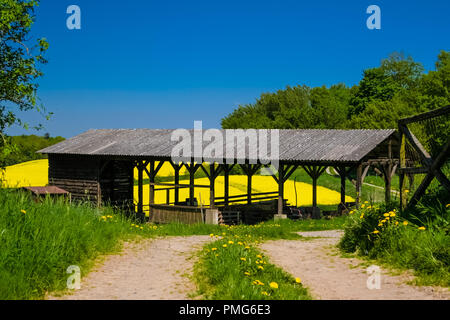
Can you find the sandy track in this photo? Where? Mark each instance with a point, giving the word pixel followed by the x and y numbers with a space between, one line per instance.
pixel 328 276
pixel 150 270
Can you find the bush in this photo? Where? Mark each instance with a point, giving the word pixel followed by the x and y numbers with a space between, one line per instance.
pixel 421 244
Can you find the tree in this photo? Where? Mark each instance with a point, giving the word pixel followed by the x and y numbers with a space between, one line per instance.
pixel 20 61
pixel 396 75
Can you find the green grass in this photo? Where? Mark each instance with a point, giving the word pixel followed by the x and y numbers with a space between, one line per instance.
pixel 399 243
pixel 233 269
pixel 220 272
pixel 40 240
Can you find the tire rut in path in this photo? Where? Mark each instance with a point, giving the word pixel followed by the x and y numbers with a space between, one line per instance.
pixel 331 277
pixel 152 269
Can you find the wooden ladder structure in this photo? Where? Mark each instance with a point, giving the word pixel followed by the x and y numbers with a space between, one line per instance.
pixel 430 165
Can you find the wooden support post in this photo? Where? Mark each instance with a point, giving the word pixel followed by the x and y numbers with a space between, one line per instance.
pixel 403 199
pixel 281 175
pixel 176 168
pixel 358 185
pixel 388 174
pixel 314 184
pixel 192 168
pixel 140 187
pixel 315 172
pixel 191 184
pixel 177 181
pixel 212 179
pixel 249 188
pixel 342 173
pixel 250 170
pixel 152 186
pixel 226 192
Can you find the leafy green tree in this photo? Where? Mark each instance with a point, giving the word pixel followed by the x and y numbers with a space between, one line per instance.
pixel 20 61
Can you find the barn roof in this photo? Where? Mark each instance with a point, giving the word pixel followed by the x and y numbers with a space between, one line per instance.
pixel 295 145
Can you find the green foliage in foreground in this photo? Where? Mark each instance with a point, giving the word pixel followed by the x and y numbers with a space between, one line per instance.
pixel 422 245
pixel 39 241
pixel 232 268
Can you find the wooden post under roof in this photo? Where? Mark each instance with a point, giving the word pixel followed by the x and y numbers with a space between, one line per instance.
pixel 176 168
pixel 140 187
pixel 281 175
pixel 388 174
pixel 250 170
pixel 284 172
pixel 358 184
pixel 314 172
pixel 342 171
pixel 192 168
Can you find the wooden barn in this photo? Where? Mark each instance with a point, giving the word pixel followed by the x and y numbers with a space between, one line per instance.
pixel 98 164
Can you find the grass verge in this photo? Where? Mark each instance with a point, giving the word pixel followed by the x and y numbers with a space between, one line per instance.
pixel 233 268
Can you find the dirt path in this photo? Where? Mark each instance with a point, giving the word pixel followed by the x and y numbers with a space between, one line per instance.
pixel 329 276
pixel 150 269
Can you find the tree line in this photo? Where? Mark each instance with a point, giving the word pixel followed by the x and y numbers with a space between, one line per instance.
pixel 398 88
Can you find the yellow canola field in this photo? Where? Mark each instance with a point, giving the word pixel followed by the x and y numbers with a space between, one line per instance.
pixel 238 186
pixel 30 173
pixel 165 171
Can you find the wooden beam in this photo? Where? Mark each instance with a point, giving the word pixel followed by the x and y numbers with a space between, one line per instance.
pixel 212 179
pixel 358 185
pixel 424 155
pixel 290 172
pixel 140 188
pixel 281 174
pixel 438 162
pixel 364 174
pixel 426 115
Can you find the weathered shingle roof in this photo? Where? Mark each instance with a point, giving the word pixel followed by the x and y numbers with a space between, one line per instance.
pixel 311 145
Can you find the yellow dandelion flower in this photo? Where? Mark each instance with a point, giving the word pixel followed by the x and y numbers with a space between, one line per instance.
pixel 264 293
pixel 448 205
pixel 363 205
pixel 273 285
pixel 243 259
pixel 247 273
pixel 376 231
pixel 261 267
pixel 396 223
pixel 224 246
pixel 421 228
pixel 247 247
pixel 259 256
pixel 405 223
pixel 361 216
pixel 23 211
pixel 298 280
pixel 211 235
pixel 213 249
pixel 386 214
pixel 230 242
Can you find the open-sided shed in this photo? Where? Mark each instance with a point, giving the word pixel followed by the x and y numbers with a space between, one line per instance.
pixel 99 164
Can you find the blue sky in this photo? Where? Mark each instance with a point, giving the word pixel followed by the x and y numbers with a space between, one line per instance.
pixel 164 64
